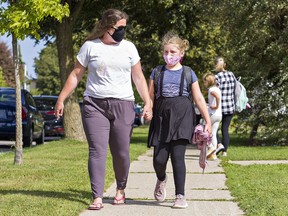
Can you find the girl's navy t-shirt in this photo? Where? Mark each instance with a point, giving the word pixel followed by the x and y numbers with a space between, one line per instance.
pixel 171 82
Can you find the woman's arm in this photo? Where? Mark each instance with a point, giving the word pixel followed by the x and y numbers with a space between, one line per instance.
pixel 71 83
pixel 201 104
pixel 151 91
pixel 142 88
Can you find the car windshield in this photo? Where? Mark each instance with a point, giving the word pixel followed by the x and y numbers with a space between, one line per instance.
pixel 7 96
pixel 45 104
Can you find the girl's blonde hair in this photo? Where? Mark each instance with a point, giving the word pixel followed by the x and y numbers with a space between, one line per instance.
pixel 109 18
pixel 172 37
pixel 210 79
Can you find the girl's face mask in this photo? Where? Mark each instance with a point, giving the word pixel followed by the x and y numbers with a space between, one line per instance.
pixel 172 55
pixel 172 59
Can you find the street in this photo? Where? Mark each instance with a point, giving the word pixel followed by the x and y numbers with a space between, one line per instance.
pixel 6 146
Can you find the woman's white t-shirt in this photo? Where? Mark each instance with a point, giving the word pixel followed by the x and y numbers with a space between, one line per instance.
pixel 109 68
pixel 212 101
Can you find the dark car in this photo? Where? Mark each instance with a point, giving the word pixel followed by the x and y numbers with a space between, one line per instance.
pixel 32 120
pixel 139 118
pixel 46 104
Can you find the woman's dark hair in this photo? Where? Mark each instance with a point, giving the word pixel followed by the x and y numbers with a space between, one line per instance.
pixel 108 19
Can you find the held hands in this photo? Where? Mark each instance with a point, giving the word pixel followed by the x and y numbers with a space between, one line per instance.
pixel 148 113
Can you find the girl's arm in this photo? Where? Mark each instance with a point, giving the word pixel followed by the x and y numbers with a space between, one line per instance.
pixel 201 104
pixel 214 94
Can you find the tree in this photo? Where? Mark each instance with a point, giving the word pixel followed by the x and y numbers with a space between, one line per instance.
pixel 143 31
pixel 47 70
pixel 21 19
pixel 2 80
pixel 250 34
pixel 6 63
pixel 257 32
pixel 82 18
pixel 63 33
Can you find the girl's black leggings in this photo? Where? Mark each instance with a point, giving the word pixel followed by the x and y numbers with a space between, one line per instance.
pixel 176 150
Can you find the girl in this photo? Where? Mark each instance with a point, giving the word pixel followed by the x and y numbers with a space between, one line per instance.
pixel 214 109
pixel 172 126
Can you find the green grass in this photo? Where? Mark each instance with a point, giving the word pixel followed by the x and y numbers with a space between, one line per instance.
pixel 259 189
pixel 53 180
pixel 238 150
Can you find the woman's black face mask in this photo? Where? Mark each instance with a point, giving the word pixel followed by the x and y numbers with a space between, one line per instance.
pixel 118 34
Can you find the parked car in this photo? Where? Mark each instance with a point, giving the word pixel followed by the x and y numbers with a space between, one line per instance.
pixel 46 104
pixel 139 117
pixel 32 120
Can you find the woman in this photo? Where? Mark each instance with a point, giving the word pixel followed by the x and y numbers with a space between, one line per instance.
pixel 108 104
pixel 226 83
pixel 172 126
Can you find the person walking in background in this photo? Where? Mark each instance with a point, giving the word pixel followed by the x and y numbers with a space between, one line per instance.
pixel 226 82
pixel 172 125
pixel 108 104
pixel 214 109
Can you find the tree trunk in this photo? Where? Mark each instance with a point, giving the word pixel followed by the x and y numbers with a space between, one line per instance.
pixel 18 159
pixel 253 133
pixel 72 117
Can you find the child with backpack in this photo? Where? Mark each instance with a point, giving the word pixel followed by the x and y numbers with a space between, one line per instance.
pixel 171 88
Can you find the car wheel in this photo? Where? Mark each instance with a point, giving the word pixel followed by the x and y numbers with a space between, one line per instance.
pixel 40 140
pixel 27 141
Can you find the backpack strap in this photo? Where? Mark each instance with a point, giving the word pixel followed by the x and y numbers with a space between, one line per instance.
pixel 158 70
pixel 182 83
pixel 188 78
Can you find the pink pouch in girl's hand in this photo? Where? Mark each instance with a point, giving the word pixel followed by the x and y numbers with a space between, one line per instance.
pixel 201 138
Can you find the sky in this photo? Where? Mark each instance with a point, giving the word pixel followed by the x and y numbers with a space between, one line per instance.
pixel 29 51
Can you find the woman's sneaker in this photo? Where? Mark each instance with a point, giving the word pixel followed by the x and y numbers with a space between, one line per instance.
pixel 180 202
pixel 160 190
pixel 220 148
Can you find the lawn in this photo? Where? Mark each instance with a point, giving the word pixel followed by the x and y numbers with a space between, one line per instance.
pixel 53 179
pixel 259 189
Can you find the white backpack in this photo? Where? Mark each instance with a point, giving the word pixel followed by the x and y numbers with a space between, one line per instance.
pixel 241 98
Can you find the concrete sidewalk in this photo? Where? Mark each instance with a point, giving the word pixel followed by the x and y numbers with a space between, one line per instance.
pixel 206 194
